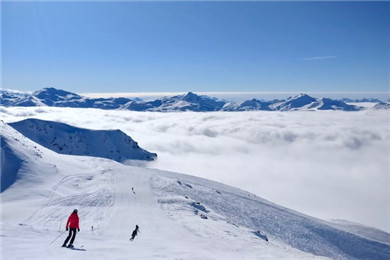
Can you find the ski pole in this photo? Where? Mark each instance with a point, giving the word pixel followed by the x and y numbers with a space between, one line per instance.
pixel 57 237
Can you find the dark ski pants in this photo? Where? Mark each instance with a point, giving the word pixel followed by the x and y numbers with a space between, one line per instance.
pixel 133 235
pixel 72 234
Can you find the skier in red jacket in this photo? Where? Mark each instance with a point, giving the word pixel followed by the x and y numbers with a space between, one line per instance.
pixel 72 224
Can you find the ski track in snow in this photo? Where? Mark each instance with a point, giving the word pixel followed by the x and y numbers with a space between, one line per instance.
pixel 180 216
pixel 114 215
pixel 243 209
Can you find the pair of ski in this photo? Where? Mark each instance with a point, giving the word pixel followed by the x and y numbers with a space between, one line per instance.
pixel 75 248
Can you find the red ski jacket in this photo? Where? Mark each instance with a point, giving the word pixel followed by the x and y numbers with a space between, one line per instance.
pixel 73 221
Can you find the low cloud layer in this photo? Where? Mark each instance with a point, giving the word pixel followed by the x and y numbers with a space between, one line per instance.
pixel 328 164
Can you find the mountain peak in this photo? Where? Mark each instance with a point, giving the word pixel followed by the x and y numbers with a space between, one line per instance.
pixel 295 102
pixel 50 96
pixel 191 97
pixel 50 92
pixel 301 96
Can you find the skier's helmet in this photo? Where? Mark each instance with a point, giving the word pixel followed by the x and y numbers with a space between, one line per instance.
pixel 75 211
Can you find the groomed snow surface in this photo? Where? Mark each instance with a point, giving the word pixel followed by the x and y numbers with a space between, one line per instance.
pixel 180 216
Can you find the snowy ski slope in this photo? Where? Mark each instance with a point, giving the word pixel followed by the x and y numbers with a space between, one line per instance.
pixel 180 216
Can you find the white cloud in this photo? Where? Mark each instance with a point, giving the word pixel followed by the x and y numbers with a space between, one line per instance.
pixel 321 57
pixel 328 164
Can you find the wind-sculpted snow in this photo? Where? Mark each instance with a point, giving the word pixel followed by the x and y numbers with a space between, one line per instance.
pixel 13 162
pixel 245 210
pixel 10 165
pixel 66 139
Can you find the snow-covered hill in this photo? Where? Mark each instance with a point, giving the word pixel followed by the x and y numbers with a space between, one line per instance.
pixel 66 139
pixel 186 102
pixel 179 216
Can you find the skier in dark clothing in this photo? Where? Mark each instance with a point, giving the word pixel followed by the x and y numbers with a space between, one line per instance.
pixel 72 224
pixel 135 233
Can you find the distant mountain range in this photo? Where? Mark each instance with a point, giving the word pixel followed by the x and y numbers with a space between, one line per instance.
pixel 187 102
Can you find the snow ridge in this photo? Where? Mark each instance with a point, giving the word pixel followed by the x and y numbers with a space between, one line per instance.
pixel 66 139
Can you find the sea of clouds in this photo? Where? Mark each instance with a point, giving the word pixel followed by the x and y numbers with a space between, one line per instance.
pixel 328 164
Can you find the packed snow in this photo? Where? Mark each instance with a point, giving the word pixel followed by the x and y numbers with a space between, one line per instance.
pixel 180 216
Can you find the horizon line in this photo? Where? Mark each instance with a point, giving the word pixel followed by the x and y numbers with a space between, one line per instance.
pixel 229 92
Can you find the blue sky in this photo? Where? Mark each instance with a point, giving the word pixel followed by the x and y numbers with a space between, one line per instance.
pixel 196 46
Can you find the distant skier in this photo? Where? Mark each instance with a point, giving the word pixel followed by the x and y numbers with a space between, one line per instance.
pixel 132 189
pixel 264 237
pixel 72 224
pixel 135 233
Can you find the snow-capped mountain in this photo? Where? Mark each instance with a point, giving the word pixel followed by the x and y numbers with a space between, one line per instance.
pixel 142 106
pixel 57 97
pixel 249 105
pixel 180 216
pixel 16 98
pixel 190 102
pixel 361 100
pixel 331 104
pixel 66 139
pixel 186 102
pixel 383 105
pixel 300 101
pixel 7 98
